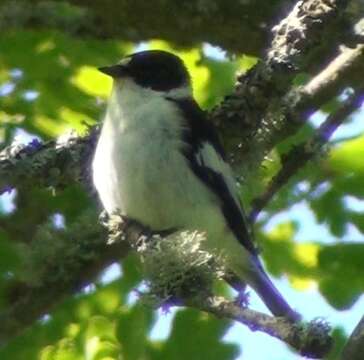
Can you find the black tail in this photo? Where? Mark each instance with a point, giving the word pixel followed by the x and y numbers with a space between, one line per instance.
pixel 271 296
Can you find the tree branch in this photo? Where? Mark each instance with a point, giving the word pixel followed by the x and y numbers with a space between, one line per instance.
pixel 207 21
pixel 210 21
pixel 311 340
pixel 58 264
pixel 302 153
pixel 354 348
pixel 53 164
pixel 337 75
pixel 251 117
pixel 298 104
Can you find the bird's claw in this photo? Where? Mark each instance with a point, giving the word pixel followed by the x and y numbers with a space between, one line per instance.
pixel 242 299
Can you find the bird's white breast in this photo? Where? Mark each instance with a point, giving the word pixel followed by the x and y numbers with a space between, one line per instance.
pixel 139 168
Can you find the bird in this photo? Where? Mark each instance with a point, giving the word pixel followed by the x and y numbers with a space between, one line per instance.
pixel 159 161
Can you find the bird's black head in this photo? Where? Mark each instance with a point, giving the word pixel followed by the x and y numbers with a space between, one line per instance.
pixel 155 69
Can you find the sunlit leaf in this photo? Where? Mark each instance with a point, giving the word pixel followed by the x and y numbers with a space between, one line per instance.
pixel 348 157
pixel 92 82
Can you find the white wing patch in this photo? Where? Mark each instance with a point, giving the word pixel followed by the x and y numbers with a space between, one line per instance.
pixel 209 157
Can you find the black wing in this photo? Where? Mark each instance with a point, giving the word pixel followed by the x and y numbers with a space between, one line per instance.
pixel 207 160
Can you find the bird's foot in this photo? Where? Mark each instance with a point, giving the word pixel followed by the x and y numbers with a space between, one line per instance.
pixel 242 299
pixel 168 304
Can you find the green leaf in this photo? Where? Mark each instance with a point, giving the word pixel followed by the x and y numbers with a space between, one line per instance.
pixel 339 341
pixel 348 157
pixel 9 257
pixel 342 273
pixel 65 349
pixel 100 340
pixel 133 326
pixel 57 66
pixel 329 208
pixel 196 335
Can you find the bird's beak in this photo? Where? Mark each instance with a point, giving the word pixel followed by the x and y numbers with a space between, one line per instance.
pixel 115 71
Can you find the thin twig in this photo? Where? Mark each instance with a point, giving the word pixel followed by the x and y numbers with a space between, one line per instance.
pixel 301 154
